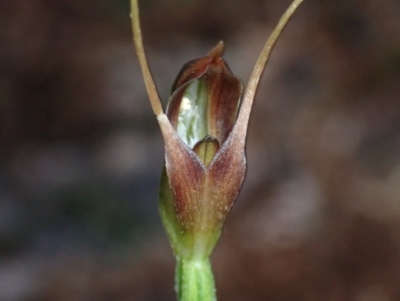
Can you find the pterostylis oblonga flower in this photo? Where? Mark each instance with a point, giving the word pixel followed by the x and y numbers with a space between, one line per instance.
pixel 204 130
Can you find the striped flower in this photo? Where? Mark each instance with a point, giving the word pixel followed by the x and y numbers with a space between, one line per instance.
pixel 205 162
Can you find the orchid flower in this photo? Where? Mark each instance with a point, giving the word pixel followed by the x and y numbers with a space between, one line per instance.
pixel 204 130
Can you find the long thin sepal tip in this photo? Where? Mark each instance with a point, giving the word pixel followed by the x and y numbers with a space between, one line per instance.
pixel 148 79
pixel 258 69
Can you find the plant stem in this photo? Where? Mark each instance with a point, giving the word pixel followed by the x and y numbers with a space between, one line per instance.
pixel 194 280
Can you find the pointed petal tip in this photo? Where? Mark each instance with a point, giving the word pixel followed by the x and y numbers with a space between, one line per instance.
pixel 217 51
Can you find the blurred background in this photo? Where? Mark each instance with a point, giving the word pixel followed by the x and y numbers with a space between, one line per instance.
pixel 318 217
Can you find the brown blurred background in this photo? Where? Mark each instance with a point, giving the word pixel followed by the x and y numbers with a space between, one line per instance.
pixel 80 152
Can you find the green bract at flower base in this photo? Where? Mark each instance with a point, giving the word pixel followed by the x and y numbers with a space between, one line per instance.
pixel 204 136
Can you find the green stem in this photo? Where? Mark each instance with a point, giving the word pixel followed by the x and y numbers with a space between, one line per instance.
pixel 194 280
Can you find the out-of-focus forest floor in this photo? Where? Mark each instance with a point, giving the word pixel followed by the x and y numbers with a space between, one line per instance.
pixel 318 217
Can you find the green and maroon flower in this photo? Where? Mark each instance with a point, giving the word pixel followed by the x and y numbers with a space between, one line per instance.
pixel 205 162
pixel 204 134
